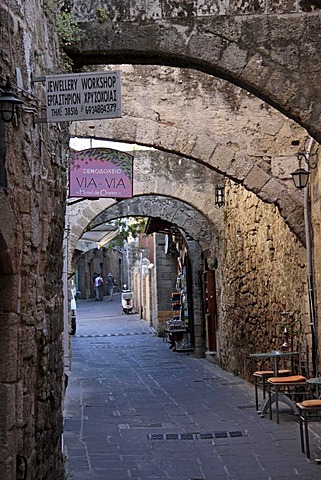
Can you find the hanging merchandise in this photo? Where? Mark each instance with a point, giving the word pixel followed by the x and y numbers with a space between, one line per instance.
pixel 184 297
pixel 178 283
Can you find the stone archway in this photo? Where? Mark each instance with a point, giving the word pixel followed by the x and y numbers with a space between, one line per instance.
pixel 227 45
pixel 216 124
pixel 265 52
pixel 174 211
pixel 189 183
pixel 202 240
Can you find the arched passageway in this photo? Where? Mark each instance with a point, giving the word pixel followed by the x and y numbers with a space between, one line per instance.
pixel 244 63
pixel 214 123
pixel 201 241
pixel 266 54
pixel 185 183
pixel 174 211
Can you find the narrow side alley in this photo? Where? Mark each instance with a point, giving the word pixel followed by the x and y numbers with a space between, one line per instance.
pixel 134 409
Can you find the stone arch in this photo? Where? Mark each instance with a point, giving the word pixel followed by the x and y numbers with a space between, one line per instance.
pixel 199 234
pixel 243 44
pixel 188 182
pixel 174 211
pixel 234 133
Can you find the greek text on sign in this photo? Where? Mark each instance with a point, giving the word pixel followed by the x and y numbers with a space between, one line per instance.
pixel 101 172
pixel 83 96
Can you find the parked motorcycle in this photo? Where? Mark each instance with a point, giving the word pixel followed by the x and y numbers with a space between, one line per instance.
pixel 127 300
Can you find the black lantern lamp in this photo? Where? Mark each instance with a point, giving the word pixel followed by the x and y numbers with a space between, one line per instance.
pixel 301 176
pixel 219 195
pixel 8 102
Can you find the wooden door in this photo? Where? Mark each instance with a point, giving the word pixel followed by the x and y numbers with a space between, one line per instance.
pixel 210 309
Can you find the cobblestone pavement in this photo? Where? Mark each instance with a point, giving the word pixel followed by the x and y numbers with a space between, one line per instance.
pixel 134 409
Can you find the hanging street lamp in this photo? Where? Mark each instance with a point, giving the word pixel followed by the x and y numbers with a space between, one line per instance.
pixel 219 195
pixel 301 176
pixel 8 102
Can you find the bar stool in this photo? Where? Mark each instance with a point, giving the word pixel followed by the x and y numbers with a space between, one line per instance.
pixel 260 378
pixel 283 388
pixel 309 411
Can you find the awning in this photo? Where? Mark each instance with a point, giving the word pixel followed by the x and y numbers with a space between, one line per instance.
pixel 97 237
pixel 157 225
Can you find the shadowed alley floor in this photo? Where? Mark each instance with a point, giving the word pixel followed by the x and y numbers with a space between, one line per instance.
pixel 134 409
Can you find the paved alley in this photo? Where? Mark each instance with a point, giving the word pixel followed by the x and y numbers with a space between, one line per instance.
pixel 134 409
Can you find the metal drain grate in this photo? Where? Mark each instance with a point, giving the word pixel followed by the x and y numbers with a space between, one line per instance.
pixel 196 436
pixel 113 335
pixel 236 434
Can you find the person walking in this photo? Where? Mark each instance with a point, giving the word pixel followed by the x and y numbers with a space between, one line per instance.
pixel 95 275
pixel 99 282
pixel 110 285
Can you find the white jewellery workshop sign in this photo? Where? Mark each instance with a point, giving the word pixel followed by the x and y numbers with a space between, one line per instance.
pixel 83 96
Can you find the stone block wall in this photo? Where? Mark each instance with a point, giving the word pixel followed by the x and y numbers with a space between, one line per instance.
pixel 31 254
pixel 135 10
pixel 264 270
pixel 100 261
pixel 166 278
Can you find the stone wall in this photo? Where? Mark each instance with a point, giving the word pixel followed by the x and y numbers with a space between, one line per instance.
pixel 242 42
pixel 208 120
pixel 100 261
pixel 31 253
pixel 263 268
pixel 314 227
pixel 166 273
pixel 135 10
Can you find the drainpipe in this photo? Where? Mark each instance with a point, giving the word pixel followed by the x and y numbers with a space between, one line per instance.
pixel 310 276
pixel 65 303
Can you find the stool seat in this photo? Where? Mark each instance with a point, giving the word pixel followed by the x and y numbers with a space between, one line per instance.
pixel 310 404
pixel 286 380
pixel 261 373
pixel 292 384
pixel 260 377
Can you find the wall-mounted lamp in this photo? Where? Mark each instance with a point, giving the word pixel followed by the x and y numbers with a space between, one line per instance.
pixel 301 176
pixel 8 102
pixel 219 195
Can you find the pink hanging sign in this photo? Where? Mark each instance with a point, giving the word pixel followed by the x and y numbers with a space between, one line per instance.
pixel 101 172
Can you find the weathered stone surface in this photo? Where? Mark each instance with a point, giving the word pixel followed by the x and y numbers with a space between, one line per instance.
pixel 31 233
pixel 263 268
pixel 245 45
pixel 8 402
pixel 210 121
pixel 184 180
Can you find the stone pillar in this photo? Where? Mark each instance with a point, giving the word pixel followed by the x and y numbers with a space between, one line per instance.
pixel 195 291
pixel 166 274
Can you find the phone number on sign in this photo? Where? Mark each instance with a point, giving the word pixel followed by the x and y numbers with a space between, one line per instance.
pixel 102 108
pixel 91 109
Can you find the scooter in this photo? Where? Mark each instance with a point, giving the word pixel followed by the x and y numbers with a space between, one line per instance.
pixel 127 300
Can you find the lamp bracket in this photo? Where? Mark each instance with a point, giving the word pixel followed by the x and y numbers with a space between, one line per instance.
pixel 307 158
